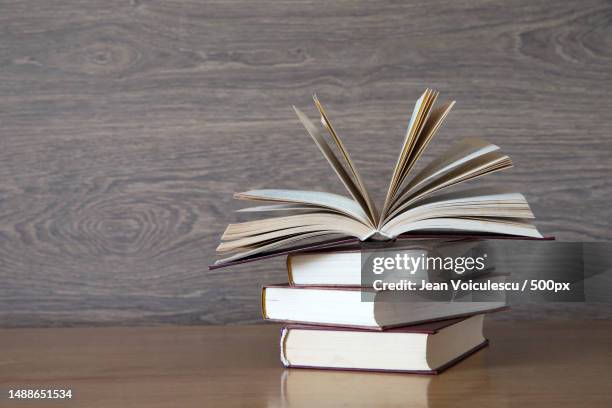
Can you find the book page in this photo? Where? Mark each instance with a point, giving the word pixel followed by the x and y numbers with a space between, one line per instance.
pixel 323 199
pixel 324 225
pixel 349 184
pixel 272 246
pixel 283 207
pixel 479 166
pixel 457 155
pixel 462 204
pixel 417 135
pixel 477 194
pixel 434 122
pixel 402 156
pixel 325 221
pixel 420 112
pixel 359 181
pixel 483 225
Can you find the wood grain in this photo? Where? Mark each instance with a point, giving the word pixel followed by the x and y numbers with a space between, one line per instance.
pixel 126 127
pixel 239 366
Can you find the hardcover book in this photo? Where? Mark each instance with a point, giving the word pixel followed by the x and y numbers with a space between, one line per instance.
pixel 345 306
pixel 423 202
pixel 344 267
pixel 427 348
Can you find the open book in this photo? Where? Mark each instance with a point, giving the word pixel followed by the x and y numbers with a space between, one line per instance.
pixel 416 203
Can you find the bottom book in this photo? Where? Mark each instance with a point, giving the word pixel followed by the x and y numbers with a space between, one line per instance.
pixel 427 348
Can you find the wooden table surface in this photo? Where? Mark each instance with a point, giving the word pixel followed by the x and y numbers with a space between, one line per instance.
pixel 527 364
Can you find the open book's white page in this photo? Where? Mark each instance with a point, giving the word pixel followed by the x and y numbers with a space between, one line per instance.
pixel 339 169
pixel 467 224
pixel 333 201
pixel 459 154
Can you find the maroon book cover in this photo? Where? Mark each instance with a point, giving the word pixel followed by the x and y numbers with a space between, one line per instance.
pixel 424 328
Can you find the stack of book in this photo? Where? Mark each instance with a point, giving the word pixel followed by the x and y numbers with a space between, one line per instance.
pixel 330 324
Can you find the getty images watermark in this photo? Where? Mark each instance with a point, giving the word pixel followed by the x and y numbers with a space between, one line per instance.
pixel 487 270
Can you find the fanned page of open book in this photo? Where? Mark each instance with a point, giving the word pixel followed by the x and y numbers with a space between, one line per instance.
pixel 416 203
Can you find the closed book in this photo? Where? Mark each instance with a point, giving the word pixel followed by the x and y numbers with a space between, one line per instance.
pixel 426 348
pixel 424 259
pixel 345 306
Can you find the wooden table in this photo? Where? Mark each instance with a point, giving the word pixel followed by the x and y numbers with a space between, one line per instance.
pixel 527 364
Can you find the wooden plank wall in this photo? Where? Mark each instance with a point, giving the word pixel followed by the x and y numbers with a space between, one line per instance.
pixel 125 127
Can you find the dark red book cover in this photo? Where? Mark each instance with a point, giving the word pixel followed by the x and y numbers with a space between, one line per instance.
pixel 424 328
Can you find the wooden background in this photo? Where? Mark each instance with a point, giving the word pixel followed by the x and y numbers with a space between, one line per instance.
pixel 125 127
